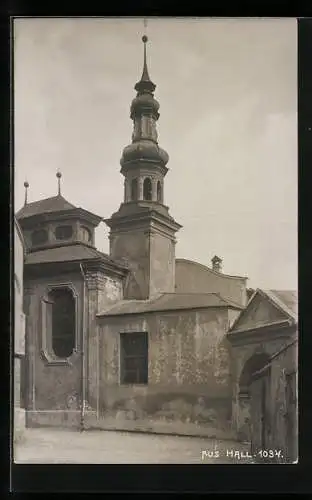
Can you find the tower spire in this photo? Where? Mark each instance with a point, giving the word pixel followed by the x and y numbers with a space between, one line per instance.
pixel 59 176
pixel 26 186
pixel 145 85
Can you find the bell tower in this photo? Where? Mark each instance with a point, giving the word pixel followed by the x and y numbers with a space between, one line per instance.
pixel 142 232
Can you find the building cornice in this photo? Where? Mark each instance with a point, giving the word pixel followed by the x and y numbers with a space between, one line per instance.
pixel 50 268
pixel 75 213
pixel 255 334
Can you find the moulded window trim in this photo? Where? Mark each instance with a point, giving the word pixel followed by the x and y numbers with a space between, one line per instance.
pixel 46 349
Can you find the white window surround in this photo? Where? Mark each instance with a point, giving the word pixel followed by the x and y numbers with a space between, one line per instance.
pixel 46 349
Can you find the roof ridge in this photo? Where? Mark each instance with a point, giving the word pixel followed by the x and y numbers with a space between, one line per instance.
pixel 210 269
pixel 45 199
pixel 279 302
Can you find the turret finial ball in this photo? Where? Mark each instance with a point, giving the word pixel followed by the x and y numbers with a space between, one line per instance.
pixel 58 174
pixel 26 185
pixel 144 39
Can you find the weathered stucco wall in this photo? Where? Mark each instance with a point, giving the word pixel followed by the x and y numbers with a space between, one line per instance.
pixel 188 370
pixel 194 277
pixel 134 247
pixel 101 291
pixel 54 391
pixel 162 264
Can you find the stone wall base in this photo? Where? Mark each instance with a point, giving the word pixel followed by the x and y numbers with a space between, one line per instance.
pixel 158 427
pixel 56 418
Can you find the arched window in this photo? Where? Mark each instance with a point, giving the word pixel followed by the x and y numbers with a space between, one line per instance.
pixel 63 232
pixel 86 235
pixel 159 191
pixel 147 189
pixel 134 189
pixel 39 237
pixel 63 321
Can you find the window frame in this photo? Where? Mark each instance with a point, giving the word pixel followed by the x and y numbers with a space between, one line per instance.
pixel 122 358
pixel 159 191
pixel 36 231
pixel 134 189
pixel 85 229
pixel 46 348
pixel 62 227
pixel 147 190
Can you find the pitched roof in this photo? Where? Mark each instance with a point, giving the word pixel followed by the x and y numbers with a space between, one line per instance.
pixel 75 252
pixel 285 299
pixel 48 205
pixel 168 302
pixel 209 269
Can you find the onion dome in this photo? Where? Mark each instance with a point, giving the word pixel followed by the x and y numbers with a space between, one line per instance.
pixel 144 150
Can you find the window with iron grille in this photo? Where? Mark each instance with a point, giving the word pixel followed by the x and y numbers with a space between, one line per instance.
pixel 134 358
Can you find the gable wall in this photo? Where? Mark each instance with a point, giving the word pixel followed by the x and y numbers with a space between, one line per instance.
pixel 191 277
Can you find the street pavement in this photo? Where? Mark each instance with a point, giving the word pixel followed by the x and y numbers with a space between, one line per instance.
pixel 113 447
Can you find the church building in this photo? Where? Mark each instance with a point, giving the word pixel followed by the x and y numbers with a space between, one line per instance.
pixel 137 339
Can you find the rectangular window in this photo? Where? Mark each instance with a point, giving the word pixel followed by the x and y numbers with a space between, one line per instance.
pixel 134 358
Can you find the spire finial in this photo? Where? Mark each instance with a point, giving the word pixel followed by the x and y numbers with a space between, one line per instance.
pixel 26 186
pixel 145 84
pixel 145 75
pixel 59 175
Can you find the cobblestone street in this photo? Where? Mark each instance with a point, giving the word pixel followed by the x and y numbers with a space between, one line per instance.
pixel 64 446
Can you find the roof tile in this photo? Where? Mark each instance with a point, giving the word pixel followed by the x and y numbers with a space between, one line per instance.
pixel 65 254
pixel 48 205
pixel 168 301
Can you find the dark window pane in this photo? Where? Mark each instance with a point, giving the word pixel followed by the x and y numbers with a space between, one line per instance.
pixel 39 237
pixel 63 232
pixel 147 189
pixel 134 363
pixel 134 344
pixel 63 322
pixel 134 358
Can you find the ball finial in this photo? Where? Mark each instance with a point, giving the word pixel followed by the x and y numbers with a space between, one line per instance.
pixel 26 185
pixel 58 174
pixel 144 39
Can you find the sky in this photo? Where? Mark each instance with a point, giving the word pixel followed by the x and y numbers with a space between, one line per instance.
pixel 227 90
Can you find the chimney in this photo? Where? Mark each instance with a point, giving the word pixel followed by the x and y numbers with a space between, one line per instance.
pixel 216 264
